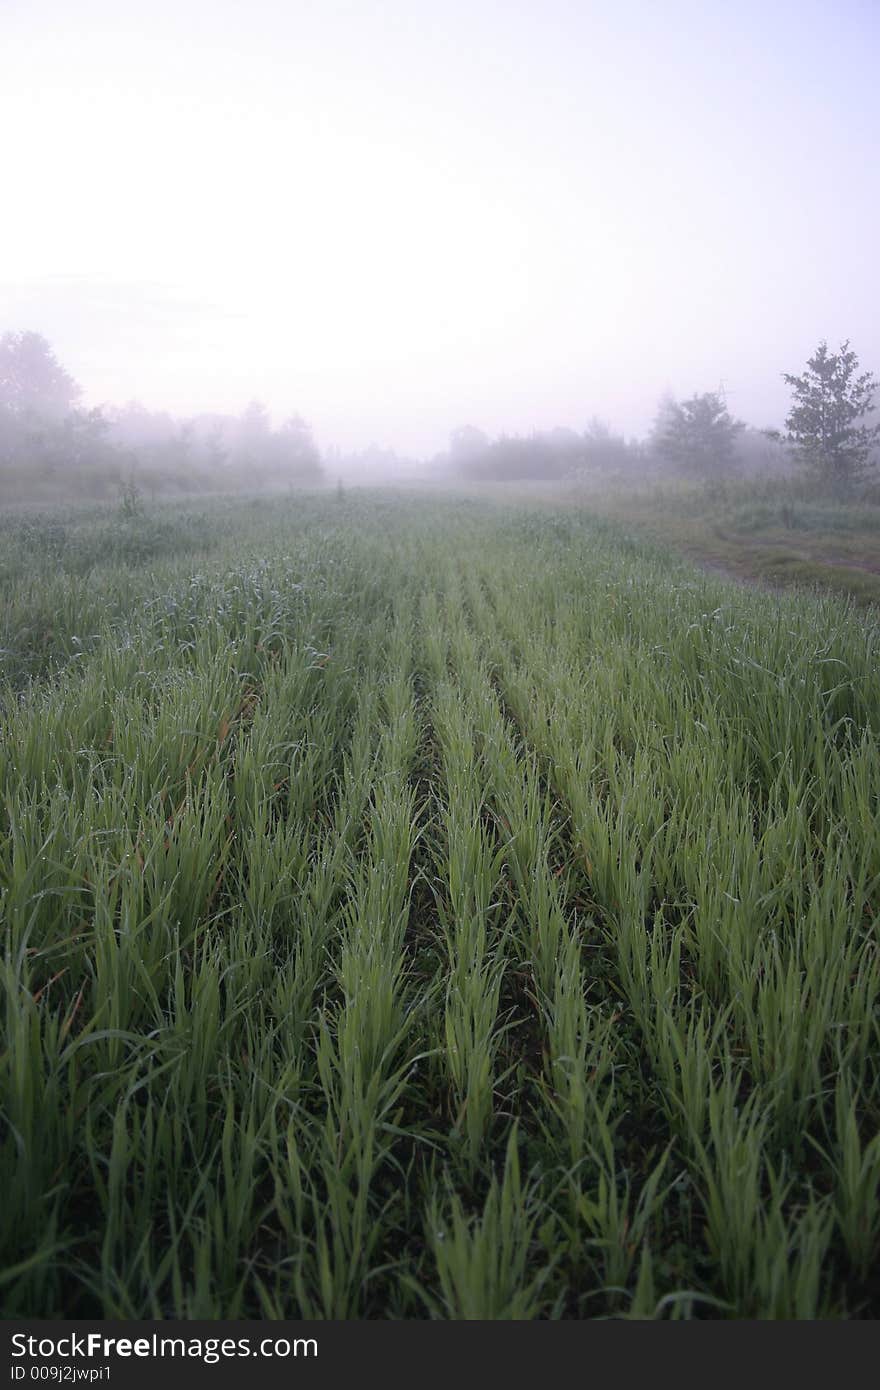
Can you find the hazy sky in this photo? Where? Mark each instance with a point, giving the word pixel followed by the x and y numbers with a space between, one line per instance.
pixel 400 217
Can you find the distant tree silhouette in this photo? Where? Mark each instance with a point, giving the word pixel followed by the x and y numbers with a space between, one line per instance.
pixel 697 435
pixel 297 454
pixel 251 442
pixel 466 444
pixel 33 384
pixel 606 453
pixel 39 427
pixel 519 458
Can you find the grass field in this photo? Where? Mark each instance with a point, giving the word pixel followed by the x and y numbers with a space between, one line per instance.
pixel 431 908
pixel 776 533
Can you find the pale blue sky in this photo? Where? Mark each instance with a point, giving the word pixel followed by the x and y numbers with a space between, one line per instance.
pixel 400 217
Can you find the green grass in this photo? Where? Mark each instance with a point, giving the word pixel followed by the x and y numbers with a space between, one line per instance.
pixel 432 908
pixel 777 533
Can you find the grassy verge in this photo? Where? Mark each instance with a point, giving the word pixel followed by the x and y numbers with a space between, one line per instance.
pixel 773 534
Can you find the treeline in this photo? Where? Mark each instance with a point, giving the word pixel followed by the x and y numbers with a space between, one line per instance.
pixel 831 437
pixel 50 446
pixel 697 440
pixel 542 455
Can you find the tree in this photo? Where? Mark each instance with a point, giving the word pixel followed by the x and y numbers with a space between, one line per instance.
pixel 298 454
pixel 466 444
pixel 252 435
pixel 38 422
pixel 542 455
pixel 605 453
pixel 830 401
pixel 33 384
pixel 699 435
pixel 81 440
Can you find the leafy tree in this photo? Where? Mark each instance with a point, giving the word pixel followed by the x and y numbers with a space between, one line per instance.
pixel 466 444
pixel 544 455
pixel 825 423
pixel 263 456
pixel 81 440
pixel 297 451
pixel 33 384
pixel 252 436
pixel 153 441
pixel 605 453
pixel 698 435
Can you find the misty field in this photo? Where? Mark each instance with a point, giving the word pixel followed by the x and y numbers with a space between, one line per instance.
pixel 777 532
pixel 431 907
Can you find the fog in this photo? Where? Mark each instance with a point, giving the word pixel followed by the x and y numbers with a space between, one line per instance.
pixel 394 220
